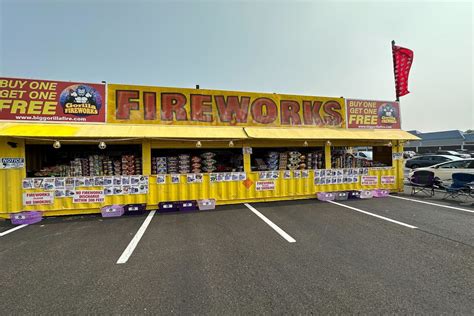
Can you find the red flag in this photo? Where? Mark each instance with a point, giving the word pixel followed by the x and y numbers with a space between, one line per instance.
pixel 402 60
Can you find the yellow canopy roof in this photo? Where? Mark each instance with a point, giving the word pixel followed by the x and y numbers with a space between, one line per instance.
pixel 120 131
pixel 194 132
pixel 327 133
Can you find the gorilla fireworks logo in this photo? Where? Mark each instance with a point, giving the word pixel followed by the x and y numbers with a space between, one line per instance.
pixel 388 114
pixel 81 100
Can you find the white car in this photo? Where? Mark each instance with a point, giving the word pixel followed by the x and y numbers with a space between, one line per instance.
pixel 363 155
pixel 454 153
pixel 445 170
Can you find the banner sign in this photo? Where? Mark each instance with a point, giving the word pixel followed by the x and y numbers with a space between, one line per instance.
pixel 156 105
pixel 369 180
pixel 12 163
pixel 51 101
pixel 373 114
pixel 402 60
pixel 38 198
pixel 387 179
pixel 88 196
pixel 265 185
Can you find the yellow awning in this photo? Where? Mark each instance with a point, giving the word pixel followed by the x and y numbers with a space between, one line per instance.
pixel 39 130
pixel 310 133
pixel 120 131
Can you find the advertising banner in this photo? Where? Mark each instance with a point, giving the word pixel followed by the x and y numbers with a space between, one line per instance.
pixel 88 196
pixel 51 101
pixel 373 114
pixel 265 185
pixel 174 106
pixel 38 198
pixel 12 163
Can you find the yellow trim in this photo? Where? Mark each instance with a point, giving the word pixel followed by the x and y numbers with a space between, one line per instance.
pixel 327 133
pixel 196 132
pixel 120 131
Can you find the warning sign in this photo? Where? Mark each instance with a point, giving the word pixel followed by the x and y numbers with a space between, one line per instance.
pixel 38 198
pixel 88 196
pixel 369 180
pixel 387 179
pixel 12 163
pixel 265 185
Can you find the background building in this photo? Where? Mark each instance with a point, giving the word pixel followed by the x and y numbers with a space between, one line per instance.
pixel 445 140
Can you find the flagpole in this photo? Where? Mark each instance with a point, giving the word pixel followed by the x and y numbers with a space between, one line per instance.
pixel 394 75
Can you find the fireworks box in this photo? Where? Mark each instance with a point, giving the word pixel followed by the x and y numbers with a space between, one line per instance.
pixel 115 210
pixel 187 205
pixel 341 196
pixel 381 193
pixel 134 208
pixel 207 204
pixel 167 206
pixel 326 196
pixel 26 217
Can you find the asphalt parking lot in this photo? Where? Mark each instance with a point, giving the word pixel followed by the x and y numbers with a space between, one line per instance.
pixel 387 255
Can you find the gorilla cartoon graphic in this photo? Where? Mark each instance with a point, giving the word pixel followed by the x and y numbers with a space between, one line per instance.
pixel 81 95
pixel 388 114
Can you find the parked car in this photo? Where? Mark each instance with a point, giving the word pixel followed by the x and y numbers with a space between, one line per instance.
pixel 363 155
pixel 467 152
pixel 453 153
pixel 444 171
pixel 409 154
pixel 428 160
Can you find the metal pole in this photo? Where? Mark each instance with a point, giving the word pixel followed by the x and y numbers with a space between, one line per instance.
pixel 396 88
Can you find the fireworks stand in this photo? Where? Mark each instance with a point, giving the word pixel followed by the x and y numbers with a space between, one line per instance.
pixel 72 152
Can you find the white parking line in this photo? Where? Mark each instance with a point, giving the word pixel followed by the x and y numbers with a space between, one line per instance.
pixel 430 203
pixel 12 230
pixel 374 215
pixel 134 242
pixel 271 224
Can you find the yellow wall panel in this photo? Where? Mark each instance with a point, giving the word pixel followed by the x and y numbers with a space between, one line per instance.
pixel 224 192
pixel 10 179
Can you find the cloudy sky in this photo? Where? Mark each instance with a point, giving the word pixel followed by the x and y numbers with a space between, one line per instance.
pixel 315 48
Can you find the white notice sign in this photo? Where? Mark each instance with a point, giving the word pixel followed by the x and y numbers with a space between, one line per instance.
pixel 387 179
pixel 369 180
pixel 12 163
pixel 88 196
pixel 265 185
pixel 38 198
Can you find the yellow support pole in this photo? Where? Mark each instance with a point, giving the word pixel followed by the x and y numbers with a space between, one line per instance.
pixel 399 165
pixel 327 155
pixel 146 157
pixel 247 159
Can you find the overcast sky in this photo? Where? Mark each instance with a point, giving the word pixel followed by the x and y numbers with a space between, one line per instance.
pixel 314 48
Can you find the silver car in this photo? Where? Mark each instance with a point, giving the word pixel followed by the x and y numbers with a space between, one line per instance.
pixel 444 171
